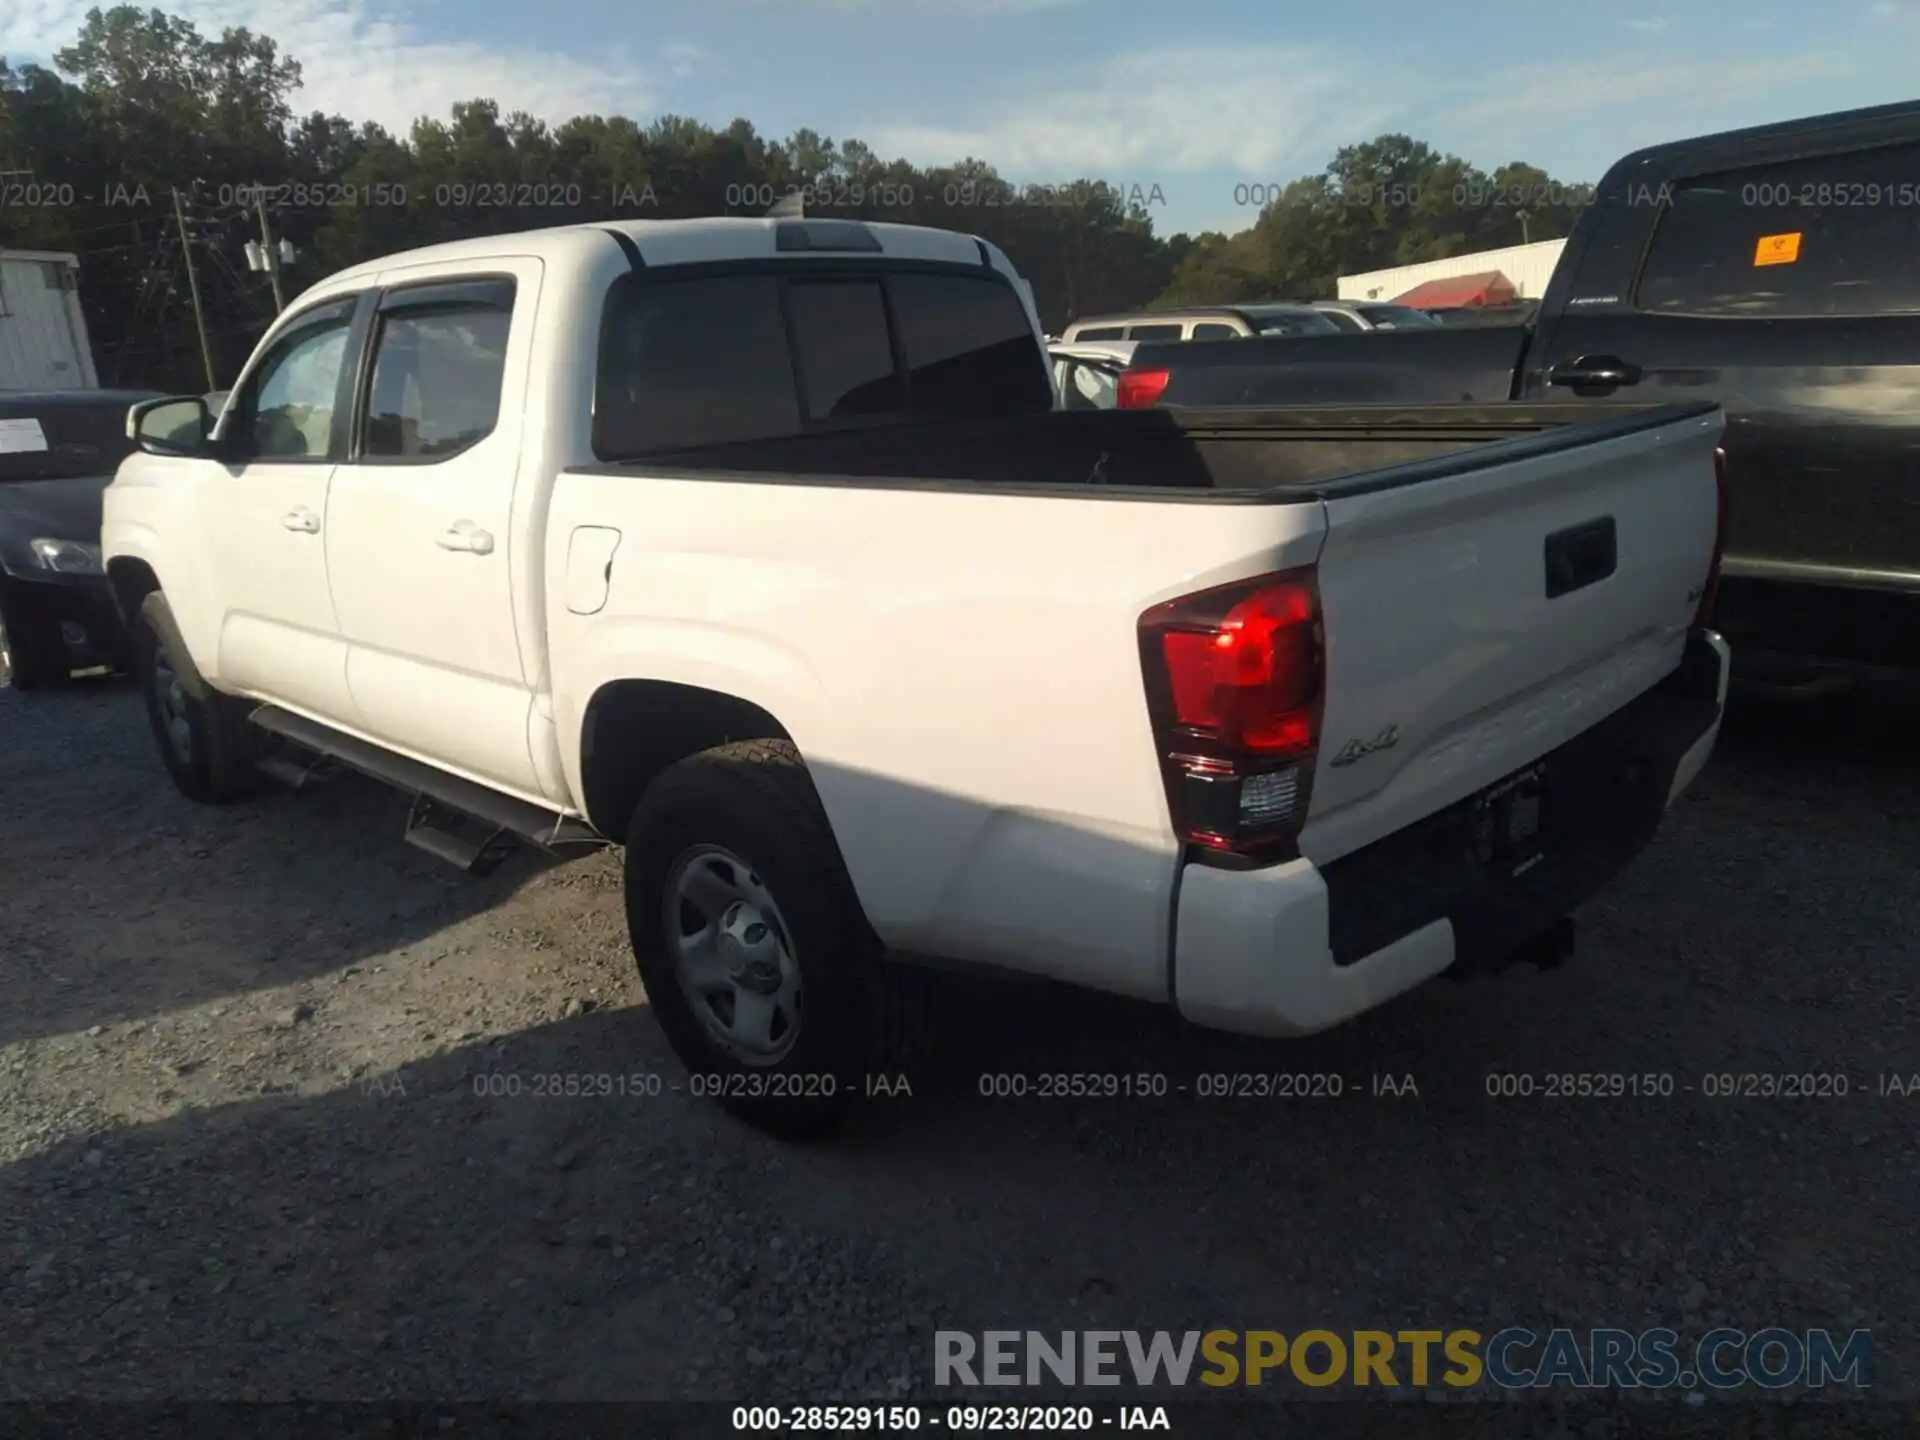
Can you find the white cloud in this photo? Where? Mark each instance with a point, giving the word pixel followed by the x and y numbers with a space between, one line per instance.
pixel 1551 100
pixel 1265 110
pixel 685 61
pixel 1275 111
pixel 367 64
pixel 972 8
pixel 1010 7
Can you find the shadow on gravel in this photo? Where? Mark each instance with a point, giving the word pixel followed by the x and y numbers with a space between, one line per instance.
pixel 120 900
pixel 420 1236
pixel 455 1229
pixel 1874 723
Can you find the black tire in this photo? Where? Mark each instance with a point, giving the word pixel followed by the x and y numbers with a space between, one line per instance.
pixel 859 1014
pixel 32 654
pixel 213 762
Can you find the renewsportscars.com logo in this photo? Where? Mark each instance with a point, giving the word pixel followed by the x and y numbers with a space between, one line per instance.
pixel 1511 1359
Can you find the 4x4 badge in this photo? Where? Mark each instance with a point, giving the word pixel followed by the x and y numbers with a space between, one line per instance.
pixel 1359 749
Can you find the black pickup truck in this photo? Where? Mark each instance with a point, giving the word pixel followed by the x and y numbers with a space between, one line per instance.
pixel 1775 271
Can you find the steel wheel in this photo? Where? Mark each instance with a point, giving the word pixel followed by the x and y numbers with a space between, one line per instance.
pixel 171 697
pixel 733 955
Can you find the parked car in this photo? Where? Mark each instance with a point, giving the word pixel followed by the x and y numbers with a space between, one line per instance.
pixel 58 451
pixel 1086 376
pixel 1722 269
pixel 1374 315
pixel 760 545
pixel 1517 312
pixel 1214 322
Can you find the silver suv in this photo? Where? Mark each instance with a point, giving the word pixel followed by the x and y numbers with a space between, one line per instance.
pixel 1375 315
pixel 1210 322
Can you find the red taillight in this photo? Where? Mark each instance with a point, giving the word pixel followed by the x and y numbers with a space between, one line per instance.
pixel 1709 592
pixel 1141 389
pixel 1234 679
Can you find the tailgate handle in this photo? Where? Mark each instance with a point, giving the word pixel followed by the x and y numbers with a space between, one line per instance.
pixel 1581 555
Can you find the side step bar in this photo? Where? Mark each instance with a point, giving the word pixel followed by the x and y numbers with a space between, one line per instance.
pixel 443 805
pixel 297 774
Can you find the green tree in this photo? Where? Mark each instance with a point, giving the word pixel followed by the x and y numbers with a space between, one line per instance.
pixel 142 103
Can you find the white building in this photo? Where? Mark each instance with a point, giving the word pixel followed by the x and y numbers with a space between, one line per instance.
pixel 43 336
pixel 1527 267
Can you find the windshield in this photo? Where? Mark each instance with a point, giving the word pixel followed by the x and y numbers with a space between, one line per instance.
pixel 60 441
pixel 1398 317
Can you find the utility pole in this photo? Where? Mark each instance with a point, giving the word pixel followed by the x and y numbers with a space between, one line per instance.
pixel 270 247
pixel 193 281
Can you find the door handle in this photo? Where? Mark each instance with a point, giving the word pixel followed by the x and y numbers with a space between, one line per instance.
pixel 1595 370
pixel 465 536
pixel 303 520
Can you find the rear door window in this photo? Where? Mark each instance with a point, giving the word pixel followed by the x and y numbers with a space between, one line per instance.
pixel 1831 236
pixel 1101 332
pixel 1214 330
pixel 969 347
pixel 438 364
pixel 1156 332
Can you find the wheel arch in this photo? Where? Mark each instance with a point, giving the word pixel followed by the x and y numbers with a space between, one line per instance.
pixel 131 579
pixel 632 730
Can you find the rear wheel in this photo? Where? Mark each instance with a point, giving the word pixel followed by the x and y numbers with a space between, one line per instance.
pixel 205 741
pixel 756 958
pixel 32 654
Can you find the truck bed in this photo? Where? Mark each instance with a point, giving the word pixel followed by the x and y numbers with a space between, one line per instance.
pixel 1279 453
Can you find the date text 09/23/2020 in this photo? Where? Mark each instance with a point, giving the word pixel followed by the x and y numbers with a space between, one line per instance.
pixel 953 1419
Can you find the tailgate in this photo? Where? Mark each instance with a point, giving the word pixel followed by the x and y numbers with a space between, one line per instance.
pixel 1484 609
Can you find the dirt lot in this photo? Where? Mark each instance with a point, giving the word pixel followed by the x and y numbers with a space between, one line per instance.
pixel 248 1150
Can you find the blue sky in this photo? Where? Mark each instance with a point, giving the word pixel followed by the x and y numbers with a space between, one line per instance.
pixel 1196 97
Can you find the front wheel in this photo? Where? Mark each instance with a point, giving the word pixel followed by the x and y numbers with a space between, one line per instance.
pixel 756 957
pixel 205 741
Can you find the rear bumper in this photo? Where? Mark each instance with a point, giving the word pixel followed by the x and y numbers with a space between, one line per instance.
pixel 1296 948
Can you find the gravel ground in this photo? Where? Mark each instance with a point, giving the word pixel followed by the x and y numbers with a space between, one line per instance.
pixel 243 1153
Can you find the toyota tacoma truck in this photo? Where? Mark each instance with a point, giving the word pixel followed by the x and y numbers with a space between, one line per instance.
pixel 758 547
pixel 1767 270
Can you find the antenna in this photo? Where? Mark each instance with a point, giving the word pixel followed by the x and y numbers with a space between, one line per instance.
pixel 791 206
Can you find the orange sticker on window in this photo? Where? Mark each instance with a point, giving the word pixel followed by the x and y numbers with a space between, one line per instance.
pixel 1777 249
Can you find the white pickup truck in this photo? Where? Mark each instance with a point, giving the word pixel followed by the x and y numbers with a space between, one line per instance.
pixel 760 547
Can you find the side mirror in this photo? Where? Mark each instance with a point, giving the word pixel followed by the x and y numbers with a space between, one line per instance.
pixel 177 425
